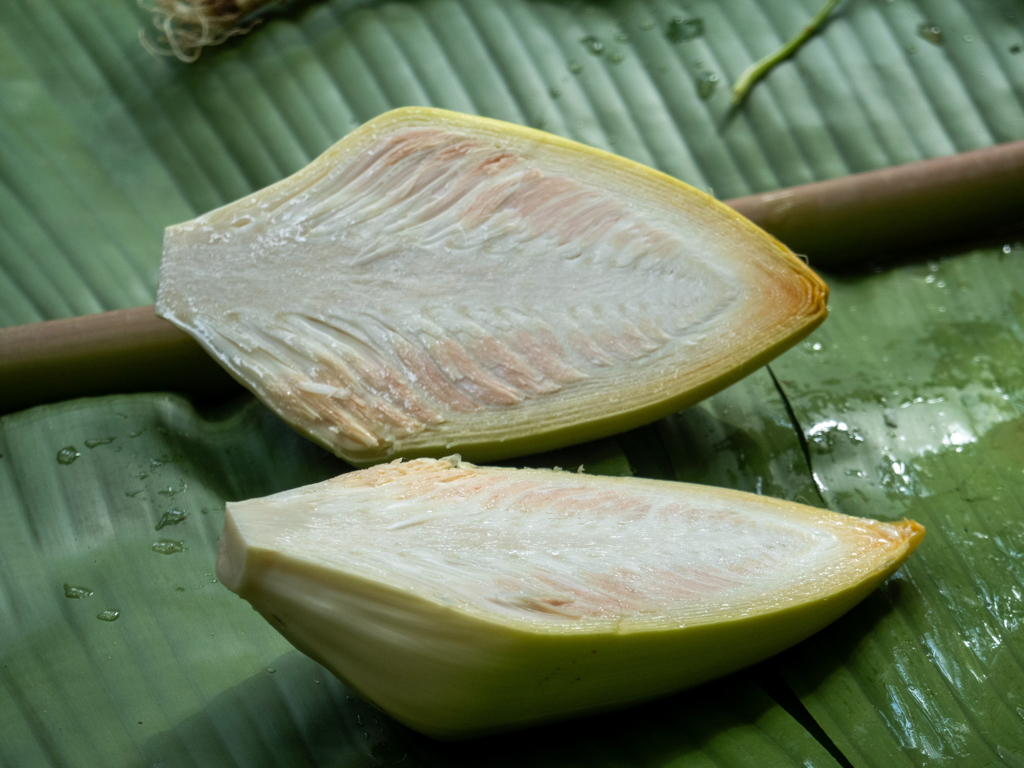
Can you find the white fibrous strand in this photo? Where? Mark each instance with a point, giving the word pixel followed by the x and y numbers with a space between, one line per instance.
pixel 185 27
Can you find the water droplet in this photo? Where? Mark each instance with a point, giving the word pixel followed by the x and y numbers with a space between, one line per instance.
pixel 932 33
pixel 170 490
pixel 555 93
pixel 968 39
pixel 706 83
pixel 160 461
pixel 76 593
pixel 143 475
pixel 1007 248
pixel 615 58
pixel 647 24
pixel 171 517
pixel 574 66
pixel 109 615
pixel 67 455
pixel 683 30
pixel 132 494
pixel 204 511
pixel 316 682
pixel 271 670
pixel 168 546
pixel 95 443
pixel 622 37
pixel 911 48
pixel 179 589
pixel 136 434
pixel 593 45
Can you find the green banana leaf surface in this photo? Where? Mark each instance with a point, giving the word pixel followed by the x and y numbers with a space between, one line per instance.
pixel 117 646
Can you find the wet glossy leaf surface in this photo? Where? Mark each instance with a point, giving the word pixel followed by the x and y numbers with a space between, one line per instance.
pixel 909 398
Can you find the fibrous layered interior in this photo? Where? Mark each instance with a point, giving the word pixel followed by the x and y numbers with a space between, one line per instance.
pixel 437 280
pixel 559 551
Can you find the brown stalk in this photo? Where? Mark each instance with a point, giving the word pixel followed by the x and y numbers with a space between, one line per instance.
pixel 852 220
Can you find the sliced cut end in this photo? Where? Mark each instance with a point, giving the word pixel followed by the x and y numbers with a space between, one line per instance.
pixel 438 281
pixel 231 555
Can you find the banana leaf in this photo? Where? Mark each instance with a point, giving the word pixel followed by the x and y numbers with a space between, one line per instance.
pixel 102 145
pixel 912 403
pixel 906 402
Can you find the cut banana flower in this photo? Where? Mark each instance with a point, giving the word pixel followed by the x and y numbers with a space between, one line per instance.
pixel 466 600
pixel 437 282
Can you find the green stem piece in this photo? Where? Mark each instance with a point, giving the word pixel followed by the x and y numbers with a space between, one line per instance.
pixel 760 68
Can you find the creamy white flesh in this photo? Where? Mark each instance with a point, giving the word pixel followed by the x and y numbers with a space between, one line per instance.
pixel 437 280
pixel 559 550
